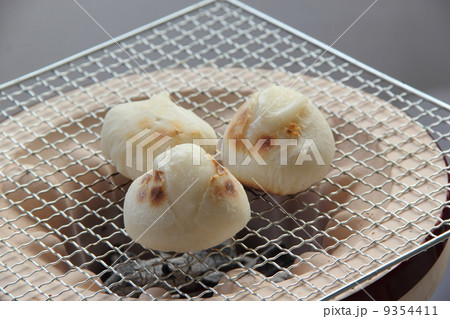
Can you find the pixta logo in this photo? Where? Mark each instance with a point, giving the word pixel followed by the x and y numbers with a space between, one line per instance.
pixel 142 147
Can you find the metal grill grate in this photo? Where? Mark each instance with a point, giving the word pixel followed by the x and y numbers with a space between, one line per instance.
pixel 61 228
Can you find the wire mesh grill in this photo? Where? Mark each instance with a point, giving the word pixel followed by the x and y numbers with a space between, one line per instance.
pixel 61 227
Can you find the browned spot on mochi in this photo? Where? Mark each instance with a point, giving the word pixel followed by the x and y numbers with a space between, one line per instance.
pixel 157 195
pixel 158 175
pixel 292 129
pixel 146 179
pixel 229 187
pixel 222 189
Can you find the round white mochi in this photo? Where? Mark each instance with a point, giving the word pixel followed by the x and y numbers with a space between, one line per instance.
pixel 156 123
pixel 185 206
pixel 275 116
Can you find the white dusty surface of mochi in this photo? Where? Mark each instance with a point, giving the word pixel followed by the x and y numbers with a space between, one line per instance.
pixel 159 115
pixel 275 116
pixel 183 207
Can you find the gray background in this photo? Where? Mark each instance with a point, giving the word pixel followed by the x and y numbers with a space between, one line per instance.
pixel 406 39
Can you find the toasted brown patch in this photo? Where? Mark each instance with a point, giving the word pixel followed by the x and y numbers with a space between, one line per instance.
pixel 292 129
pixel 157 195
pixel 229 186
pixel 222 189
pixel 146 179
pixel 158 175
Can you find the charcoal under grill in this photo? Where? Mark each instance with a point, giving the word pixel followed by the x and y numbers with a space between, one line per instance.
pixel 384 201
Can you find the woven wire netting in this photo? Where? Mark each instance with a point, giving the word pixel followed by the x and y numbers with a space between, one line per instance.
pixel 61 228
